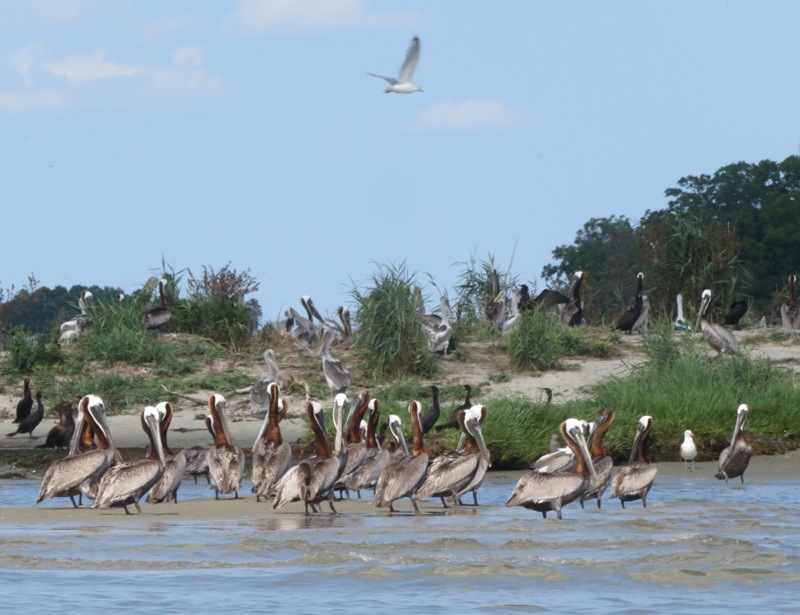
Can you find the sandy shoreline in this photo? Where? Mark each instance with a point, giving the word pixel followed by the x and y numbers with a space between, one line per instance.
pixel 778 468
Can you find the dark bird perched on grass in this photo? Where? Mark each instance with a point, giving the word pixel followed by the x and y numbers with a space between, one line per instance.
pixel 61 434
pixel 735 313
pixel 30 422
pixel 452 422
pixel 429 419
pixel 24 405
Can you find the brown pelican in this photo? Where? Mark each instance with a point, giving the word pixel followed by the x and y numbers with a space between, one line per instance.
pixel 631 316
pixel 61 434
pixel 272 457
pixel 376 458
pixel 735 313
pixel 494 312
pixel 403 84
pixel 438 328
pixel 716 336
pixel 790 312
pixel 453 420
pixel 159 315
pixel 126 483
pixel 431 416
pixel 733 459
pixel 404 474
pixel 559 459
pixel 336 374
pixel 688 449
pixel 572 314
pixel 312 479
pixel 453 474
pixel 356 446
pixel 395 427
pixel 544 492
pixel 680 321
pixel 602 462
pixel 65 476
pixel 225 461
pixel 31 422
pixel 78 326
pixel 197 456
pixel 166 489
pixel 24 405
pixel 634 480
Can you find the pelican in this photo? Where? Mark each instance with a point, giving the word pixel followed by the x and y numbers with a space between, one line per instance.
pixel 336 374
pixel 733 459
pixel 225 461
pixel 197 456
pixel 356 446
pixel 403 84
pixel 572 314
pixel 790 312
pixel 272 457
pixel 494 312
pixel 61 435
pixel 313 479
pixel 544 492
pixel 78 326
pixel 65 476
pixel 126 483
pixel 634 480
pixel 376 458
pixel 396 429
pixel 259 392
pixel 24 405
pixel 515 310
pixel 439 334
pixel 166 489
pixel 716 336
pixel 680 321
pixel 688 449
pixel 159 315
pixel 404 474
pixel 627 321
pixel 602 462
pixel 559 459
pixel 453 474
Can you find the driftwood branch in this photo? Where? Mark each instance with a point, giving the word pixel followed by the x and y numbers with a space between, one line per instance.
pixel 194 400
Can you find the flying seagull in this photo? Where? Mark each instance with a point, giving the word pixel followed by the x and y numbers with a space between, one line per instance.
pixel 403 84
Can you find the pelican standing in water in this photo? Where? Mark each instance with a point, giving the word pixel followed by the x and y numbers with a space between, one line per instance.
pixel 790 312
pixel 313 479
pixel 225 461
pixel 272 457
pixel 356 446
pixel 376 458
pixel 454 474
pixel 633 481
pixel 166 489
pixel 197 455
pixel 545 492
pixel 126 483
pixel 716 336
pixel 404 474
pixel 403 84
pixel 603 463
pixel 688 449
pixel 733 460
pixel 65 476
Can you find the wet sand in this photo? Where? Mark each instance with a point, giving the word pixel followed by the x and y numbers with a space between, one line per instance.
pixel 761 469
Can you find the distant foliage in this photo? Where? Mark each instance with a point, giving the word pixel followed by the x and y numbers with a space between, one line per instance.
pixel 227 283
pixel 389 333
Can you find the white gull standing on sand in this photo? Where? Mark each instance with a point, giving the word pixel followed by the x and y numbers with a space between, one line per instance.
pixel 403 84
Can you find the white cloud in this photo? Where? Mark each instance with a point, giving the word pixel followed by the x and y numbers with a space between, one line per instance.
pixel 256 16
pixel 25 58
pixel 488 114
pixel 26 100
pixel 82 68
pixel 189 55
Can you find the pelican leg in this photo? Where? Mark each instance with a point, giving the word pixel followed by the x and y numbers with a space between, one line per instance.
pixel 742 477
pixel 125 507
pixel 195 479
pixel 581 501
pixel 416 508
pixel 72 499
pixel 216 494
pixel 444 504
pixel 391 509
pixel 558 512
pixel 138 508
pixel 599 506
pixel 622 502
pixel 475 497
pixel 235 495
pixel 330 503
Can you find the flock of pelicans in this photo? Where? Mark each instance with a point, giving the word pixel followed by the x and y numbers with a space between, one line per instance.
pixel 355 460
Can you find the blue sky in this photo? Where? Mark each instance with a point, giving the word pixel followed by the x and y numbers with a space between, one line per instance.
pixel 249 133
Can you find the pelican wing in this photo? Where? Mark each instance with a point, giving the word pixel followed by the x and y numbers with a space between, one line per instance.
pixel 448 474
pixel 536 489
pixel 70 472
pixel 126 483
pixel 400 478
pixel 270 463
pixel 632 480
pixel 225 468
pixel 367 475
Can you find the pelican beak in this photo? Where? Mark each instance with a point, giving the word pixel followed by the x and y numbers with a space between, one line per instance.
pixel 474 428
pixel 577 436
pixel 153 424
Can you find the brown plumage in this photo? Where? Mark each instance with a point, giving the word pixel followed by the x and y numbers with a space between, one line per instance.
pixel 24 405
pixel 272 457
pixel 31 422
pixel 60 435
pixel 633 481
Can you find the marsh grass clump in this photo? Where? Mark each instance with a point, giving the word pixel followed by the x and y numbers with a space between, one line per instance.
pixel 389 336
pixel 27 351
pixel 534 343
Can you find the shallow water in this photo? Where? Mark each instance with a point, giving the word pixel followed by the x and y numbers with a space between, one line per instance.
pixel 700 546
